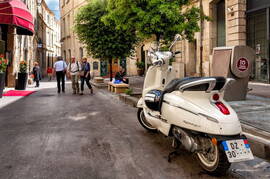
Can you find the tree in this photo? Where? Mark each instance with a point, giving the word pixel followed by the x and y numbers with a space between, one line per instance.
pixel 101 40
pixel 161 18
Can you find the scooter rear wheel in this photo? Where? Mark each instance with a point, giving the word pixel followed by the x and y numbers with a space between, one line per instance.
pixel 215 161
pixel 143 121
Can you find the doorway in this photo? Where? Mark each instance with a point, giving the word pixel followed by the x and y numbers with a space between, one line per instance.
pixel 257 38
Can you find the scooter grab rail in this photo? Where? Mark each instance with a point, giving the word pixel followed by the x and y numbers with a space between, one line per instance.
pixel 228 82
pixel 210 81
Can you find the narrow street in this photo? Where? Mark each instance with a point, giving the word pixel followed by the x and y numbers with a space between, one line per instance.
pixel 50 135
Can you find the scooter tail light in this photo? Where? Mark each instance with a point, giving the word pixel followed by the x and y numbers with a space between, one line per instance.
pixel 215 97
pixel 222 108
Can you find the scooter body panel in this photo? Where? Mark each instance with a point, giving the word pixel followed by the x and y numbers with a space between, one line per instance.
pixel 192 110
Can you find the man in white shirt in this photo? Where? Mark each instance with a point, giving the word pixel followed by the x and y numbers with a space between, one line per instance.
pixel 74 69
pixel 60 68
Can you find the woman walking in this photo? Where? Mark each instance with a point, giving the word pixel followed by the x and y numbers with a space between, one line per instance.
pixel 37 74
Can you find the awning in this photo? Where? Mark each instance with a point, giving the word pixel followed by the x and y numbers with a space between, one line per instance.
pixel 15 12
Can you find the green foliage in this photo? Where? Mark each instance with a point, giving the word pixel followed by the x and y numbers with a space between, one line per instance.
pixel 140 64
pixel 23 67
pixel 162 18
pixel 129 91
pixel 102 40
pixel 171 61
pixel 3 64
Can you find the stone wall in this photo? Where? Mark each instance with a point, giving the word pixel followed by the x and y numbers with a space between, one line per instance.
pixel 206 39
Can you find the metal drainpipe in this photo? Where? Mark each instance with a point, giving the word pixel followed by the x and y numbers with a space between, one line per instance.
pixel 201 39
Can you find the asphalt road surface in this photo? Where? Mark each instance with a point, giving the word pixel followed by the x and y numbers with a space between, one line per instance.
pixel 50 135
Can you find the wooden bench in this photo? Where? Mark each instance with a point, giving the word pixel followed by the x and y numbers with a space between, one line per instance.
pixel 98 80
pixel 117 88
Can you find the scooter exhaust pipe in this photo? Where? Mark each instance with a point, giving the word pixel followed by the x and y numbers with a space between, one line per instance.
pixel 187 141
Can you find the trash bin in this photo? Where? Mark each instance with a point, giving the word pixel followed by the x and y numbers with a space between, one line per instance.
pixel 234 62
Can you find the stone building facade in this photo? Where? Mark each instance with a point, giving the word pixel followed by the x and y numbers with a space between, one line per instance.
pixel 72 47
pixel 48 35
pixel 233 22
pixel 227 27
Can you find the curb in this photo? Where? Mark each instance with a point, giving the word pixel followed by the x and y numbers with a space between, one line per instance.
pixel 99 85
pixel 130 100
pixel 259 140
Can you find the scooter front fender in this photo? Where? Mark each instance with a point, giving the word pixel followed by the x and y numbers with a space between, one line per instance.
pixel 140 103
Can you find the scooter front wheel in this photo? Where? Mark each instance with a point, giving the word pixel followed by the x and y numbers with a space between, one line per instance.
pixel 214 161
pixel 143 121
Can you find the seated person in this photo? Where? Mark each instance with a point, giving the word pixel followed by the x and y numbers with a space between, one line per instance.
pixel 121 76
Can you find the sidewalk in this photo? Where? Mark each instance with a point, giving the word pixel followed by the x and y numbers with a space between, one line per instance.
pixel 44 84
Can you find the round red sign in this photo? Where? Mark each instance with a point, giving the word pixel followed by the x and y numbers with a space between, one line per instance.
pixel 242 64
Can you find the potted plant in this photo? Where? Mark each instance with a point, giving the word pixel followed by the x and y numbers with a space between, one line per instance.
pixel 22 76
pixel 140 67
pixel 3 67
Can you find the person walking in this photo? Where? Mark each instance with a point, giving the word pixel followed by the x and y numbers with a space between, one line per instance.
pixel 74 69
pixel 50 73
pixel 60 68
pixel 85 75
pixel 37 74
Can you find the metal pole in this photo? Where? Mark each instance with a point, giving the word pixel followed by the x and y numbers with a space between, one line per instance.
pixel 201 40
pixel 267 38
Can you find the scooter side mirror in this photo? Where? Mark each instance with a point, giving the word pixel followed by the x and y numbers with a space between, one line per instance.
pixel 177 37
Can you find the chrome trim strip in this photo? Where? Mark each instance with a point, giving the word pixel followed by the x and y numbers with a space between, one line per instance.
pixel 198 114
pixel 180 107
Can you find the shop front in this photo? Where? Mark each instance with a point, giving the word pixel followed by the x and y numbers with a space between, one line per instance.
pixel 258 34
pixel 15 18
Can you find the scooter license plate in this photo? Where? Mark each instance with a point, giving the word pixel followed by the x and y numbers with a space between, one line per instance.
pixel 237 150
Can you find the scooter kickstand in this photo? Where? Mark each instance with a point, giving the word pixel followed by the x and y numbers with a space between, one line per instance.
pixel 171 154
pixel 175 145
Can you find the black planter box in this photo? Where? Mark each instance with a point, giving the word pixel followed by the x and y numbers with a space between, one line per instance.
pixel 21 81
pixel 2 83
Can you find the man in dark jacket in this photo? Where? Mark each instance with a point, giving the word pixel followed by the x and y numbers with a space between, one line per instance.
pixel 85 75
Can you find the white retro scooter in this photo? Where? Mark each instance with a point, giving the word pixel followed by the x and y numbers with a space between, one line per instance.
pixel 193 112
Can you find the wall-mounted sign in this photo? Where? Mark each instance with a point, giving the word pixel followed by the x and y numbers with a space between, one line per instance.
pixel 242 64
pixel 39 45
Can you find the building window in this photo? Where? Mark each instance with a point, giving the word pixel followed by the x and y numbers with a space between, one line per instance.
pixel 64 28
pixel 81 52
pixel 257 32
pixel 221 32
pixel 68 25
pixel 48 19
pixel 65 55
pixel 69 54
